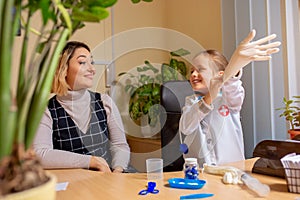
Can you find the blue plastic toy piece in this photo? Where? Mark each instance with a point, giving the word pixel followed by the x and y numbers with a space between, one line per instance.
pixel 150 189
pixel 186 183
pixel 183 148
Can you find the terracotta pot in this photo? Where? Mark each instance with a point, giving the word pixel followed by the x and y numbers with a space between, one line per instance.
pixel 43 192
pixel 293 132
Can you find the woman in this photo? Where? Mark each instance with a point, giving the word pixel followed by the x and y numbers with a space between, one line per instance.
pixel 80 128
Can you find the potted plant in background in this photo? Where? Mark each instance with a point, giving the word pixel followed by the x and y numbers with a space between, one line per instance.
pixel 291 113
pixel 22 107
pixel 144 86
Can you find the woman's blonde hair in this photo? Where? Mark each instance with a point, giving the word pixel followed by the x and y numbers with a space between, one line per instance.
pixel 60 85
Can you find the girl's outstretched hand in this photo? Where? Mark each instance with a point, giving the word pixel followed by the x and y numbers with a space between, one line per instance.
pixel 248 51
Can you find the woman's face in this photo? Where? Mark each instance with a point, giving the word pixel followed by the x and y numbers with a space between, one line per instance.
pixel 201 74
pixel 81 71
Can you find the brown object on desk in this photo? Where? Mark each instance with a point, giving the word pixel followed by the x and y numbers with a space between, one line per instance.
pixel 86 184
pixel 270 153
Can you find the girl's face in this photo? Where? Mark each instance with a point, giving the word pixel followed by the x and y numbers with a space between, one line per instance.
pixel 81 71
pixel 201 73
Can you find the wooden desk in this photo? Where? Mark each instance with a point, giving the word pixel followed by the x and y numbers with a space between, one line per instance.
pixel 89 185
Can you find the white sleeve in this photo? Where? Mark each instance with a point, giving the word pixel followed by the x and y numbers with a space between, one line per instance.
pixel 234 93
pixel 192 114
pixel 120 150
pixel 53 158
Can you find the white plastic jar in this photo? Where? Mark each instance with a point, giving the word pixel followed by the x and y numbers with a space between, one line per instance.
pixel 190 168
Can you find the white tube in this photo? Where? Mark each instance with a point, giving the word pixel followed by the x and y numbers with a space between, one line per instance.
pixel 255 185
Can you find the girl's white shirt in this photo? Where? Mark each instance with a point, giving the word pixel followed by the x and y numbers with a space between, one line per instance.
pixel 213 133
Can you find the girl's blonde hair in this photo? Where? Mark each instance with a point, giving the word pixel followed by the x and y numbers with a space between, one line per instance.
pixel 218 60
pixel 60 85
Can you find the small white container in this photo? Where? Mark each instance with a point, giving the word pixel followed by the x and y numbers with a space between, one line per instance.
pixel 154 168
pixel 190 168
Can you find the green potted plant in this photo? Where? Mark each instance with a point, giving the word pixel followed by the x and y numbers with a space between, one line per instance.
pixel 144 86
pixel 291 113
pixel 22 107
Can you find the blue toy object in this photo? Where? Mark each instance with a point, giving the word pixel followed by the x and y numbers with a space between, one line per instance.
pixel 183 148
pixel 150 189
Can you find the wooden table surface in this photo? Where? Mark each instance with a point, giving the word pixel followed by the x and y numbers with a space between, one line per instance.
pixel 89 185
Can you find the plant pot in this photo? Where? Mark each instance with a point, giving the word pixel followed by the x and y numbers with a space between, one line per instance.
pixel 148 131
pixel 293 133
pixel 45 191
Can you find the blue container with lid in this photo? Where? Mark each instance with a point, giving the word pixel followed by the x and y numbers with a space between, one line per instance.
pixel 190 168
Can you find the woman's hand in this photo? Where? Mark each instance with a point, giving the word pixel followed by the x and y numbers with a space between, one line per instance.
pixel 99 163
pixel 118 169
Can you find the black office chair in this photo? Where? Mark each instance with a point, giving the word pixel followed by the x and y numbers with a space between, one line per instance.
pixel 173 94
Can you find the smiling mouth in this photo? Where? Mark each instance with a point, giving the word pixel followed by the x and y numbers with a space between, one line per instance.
pixel 90 76
pixel 197 81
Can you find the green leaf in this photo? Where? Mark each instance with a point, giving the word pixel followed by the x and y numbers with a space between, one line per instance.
pixel 33 5
pixel 147 107
pixel 173 63
pixel 135 1
pixel 103 3
pixel 148 0
pixel 156 91
pixel 181 68
pixel 46 13
pixel 100 12
pixel 151 67
pixel 180 52
pixel 142 69
pixel 167 74
pixel 144 79
pixel 134 110
pixel 68 4
pixel 96 15
pixel 158 78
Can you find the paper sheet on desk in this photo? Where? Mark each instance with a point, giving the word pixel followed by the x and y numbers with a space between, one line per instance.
pixel 61 186
pixel 291 164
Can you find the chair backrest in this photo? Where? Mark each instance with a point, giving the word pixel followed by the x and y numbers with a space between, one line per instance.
pixel 173 94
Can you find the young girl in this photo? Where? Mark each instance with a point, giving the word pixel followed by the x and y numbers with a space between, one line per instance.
pixel 80 128
pixel 210 118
